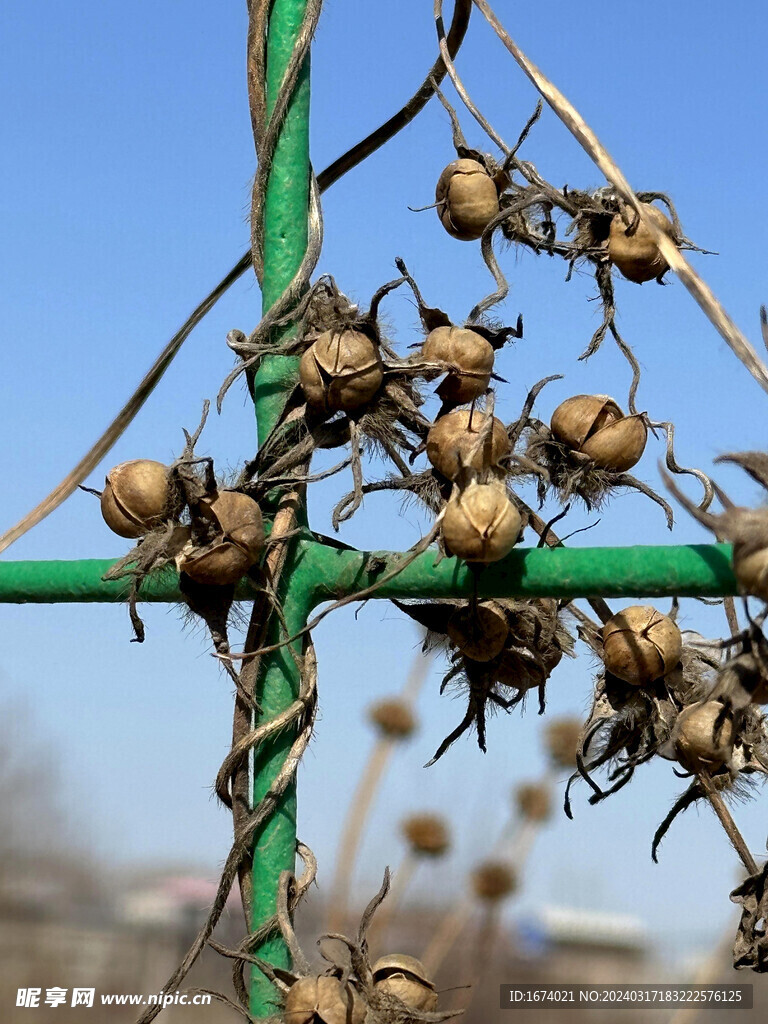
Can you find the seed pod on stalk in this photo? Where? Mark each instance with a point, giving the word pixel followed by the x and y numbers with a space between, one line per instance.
pixel 481 524
pixel 427 834
pixel 470 358
pixel 534 801
pixel 467 199
pixel 405 978
pixel 703 736
pixel 479 630
pixel 341 371
pixel 136 497
pixel 238 540
pixel 595 426
pixel 632 247
pixel 452 443
pixel 493 881
pixel 393 719
pixel 323 999
pixel 641 645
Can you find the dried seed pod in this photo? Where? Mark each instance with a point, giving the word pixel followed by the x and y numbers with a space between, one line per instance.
pixel 703 736
pixel 405 978
pixel 237 546
pixel 341 370
pixel 323 1000
pixel 750 550
pixel 427 834
pixel 135 497
pixel 481 524
pixel 561 738
pixel 493 880
pixel 534 801
pixel 469 353
pixel 636 254
pixel 641 645
pixel 452 438
pixel 595 426
pixel 467 199
pixel 393 719
pixel 479 630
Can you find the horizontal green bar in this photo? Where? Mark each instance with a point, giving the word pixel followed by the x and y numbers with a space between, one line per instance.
pixel 696 570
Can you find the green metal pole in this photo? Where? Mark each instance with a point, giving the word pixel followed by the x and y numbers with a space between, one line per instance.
pixel 285 242
pixel 325 573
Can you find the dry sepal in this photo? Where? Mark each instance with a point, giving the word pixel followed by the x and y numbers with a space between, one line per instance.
pixel 427 835
pixel 533 646
pixel 348 989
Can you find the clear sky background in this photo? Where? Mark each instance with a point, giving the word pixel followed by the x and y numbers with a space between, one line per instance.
pixel 126 162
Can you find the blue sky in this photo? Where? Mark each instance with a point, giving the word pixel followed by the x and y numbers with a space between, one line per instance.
pixel 126 163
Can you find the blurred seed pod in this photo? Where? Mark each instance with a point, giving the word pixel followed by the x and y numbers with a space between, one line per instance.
pixel 641 645
pixel 341 370
pixel 561 738
pixel 595 426
pixel 426 834
pixel 136 497
pixel 479 630
pixel 703 736
pixel 452 438
pixel 750 551
pixel 493 881
pixel 405 978
pixel 393 718
pixel 467 199
pixel 237 545
pixel 635 253
pixel 323 1000
pixel 471 355
pixel 481 524
pixel 534 801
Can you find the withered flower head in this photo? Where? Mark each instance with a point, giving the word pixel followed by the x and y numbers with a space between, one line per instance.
pixel 561 738
pixel 427 834
pixel 534 801
pixel 641 645
pixel 135 498
pixel 393 718
pixel 633 249
pixel 467 199
pixel 493 881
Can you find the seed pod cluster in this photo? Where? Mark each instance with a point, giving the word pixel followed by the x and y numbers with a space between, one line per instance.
pixel 238 539
pixel 405 978
pixel 341 371
pixel 427 834
pixel 393 719
pixel 470 358
pixel 633 249
pixel 641 645
pixel 534 801
pixel 467 199
pixel 136 497
pixel 493 881
pixel 594 426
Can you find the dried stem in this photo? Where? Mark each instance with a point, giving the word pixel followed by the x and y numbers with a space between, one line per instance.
pixel 729 825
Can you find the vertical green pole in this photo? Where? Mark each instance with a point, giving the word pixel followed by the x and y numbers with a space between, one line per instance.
pixel 285 241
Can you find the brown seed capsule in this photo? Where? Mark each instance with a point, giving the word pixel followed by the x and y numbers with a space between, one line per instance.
pixel 135 497
pixel 404 977
pixel 323 1000
pixel 640 645
pixel 451 440
pixel 467 199
pixel 479 631
pixel 750 550
pixel 493 881
pixel 393 718
pixel 595 426
pixel 636 254
pixel 480 523
pixel 561 738
pixel 427 834
pixel 470 355
pixel 237 548
pixel 703 736
pixel 340 371
pixel 534 801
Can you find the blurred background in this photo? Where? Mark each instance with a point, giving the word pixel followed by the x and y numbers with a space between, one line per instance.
pixel 127 161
